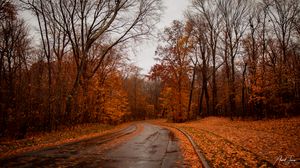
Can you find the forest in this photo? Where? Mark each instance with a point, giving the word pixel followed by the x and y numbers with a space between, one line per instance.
pixel 238 58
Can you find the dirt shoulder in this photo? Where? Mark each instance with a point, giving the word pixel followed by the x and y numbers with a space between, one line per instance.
pixel 9 147
pixel 238 143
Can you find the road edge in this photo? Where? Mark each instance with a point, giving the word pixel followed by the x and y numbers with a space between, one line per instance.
pixel 196 148
pixel 198 151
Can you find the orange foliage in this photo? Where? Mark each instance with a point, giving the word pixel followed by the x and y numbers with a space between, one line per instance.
pixel 173 71
pixel 111 100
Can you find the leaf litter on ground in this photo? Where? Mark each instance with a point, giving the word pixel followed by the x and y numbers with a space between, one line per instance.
pixel 245 143
pixel 35 141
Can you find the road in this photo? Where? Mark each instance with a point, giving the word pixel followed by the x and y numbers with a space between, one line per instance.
pixel 152 147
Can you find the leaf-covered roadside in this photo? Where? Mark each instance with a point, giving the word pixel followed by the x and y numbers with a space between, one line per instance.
pixel 33 142
pixel 237 143
pixel 189 155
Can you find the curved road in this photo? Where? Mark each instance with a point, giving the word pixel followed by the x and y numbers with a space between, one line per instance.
pixel 152 147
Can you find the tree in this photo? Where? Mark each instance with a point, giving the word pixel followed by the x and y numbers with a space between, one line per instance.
pixel 116 105
pixel 201 50
pixel 282 14
pixel 232 13
pixel 135 86
pixel 212 18
pixel 14 47
pixel 174 68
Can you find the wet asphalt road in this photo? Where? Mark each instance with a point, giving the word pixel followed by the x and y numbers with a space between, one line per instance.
pixel 154 147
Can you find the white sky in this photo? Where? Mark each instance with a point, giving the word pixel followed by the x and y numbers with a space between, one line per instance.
pixel 173 10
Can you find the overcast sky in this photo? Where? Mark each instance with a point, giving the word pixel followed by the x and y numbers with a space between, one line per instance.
pixel 174 10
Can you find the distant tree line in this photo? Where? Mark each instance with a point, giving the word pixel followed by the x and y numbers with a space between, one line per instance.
pixel 230 58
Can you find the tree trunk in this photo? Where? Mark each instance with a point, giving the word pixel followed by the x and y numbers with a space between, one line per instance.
pixel 191 94
pixel 201 101
pixel 214 88
pixel 232 90
pixel 244 103
pixel 207 100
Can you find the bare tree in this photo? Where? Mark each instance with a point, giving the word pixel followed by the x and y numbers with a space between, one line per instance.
pixel 54 43
pixel 233 14
pixel 200 44
pixel 14 45
pixel 253 49
pixel 212 17
pixel 282 14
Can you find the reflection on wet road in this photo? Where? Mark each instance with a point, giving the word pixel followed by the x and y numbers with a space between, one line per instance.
pixel 153 147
